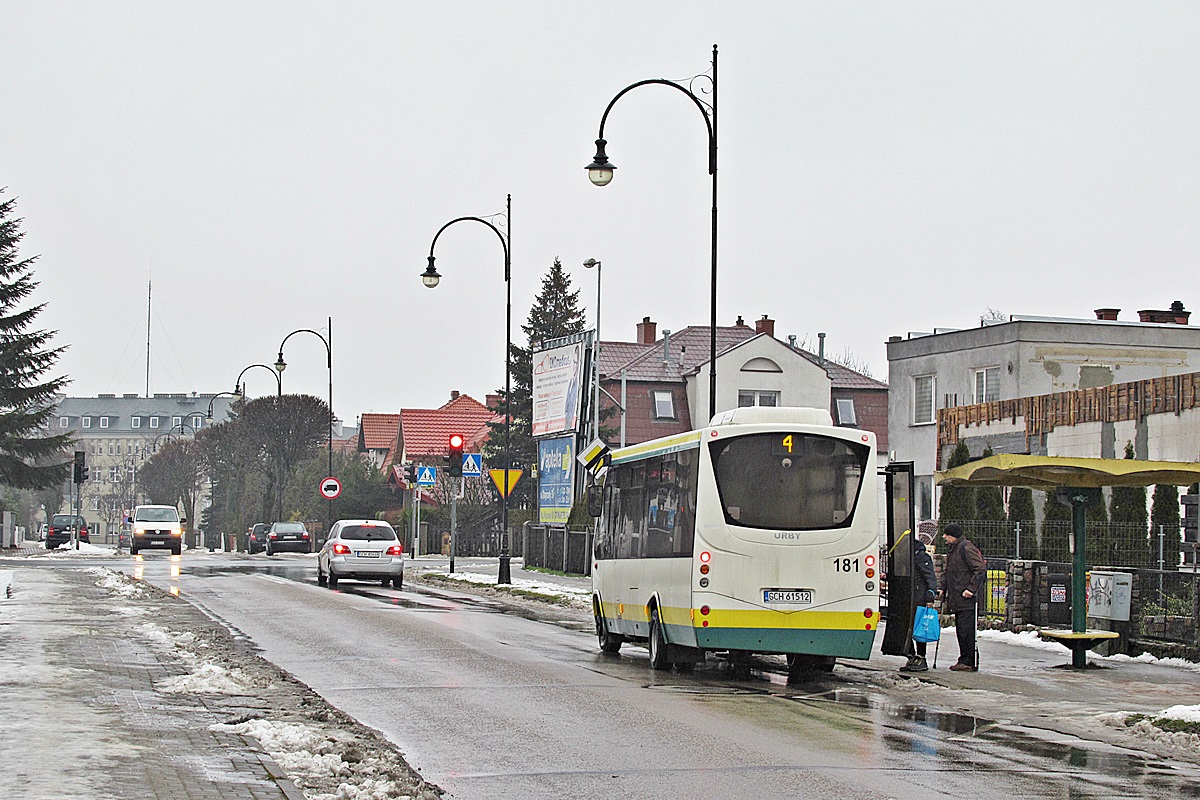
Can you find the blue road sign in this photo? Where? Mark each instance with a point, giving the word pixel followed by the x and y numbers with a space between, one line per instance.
pixel 472 465
pixel 426 476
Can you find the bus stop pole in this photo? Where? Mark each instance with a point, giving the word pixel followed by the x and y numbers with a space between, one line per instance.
pixel 1078 578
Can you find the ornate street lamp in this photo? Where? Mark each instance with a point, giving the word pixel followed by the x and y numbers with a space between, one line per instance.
pixel 431 278
pixel 280 366
pixel 600 172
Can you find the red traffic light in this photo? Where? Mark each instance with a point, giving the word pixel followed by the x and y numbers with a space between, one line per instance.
pixel 456 441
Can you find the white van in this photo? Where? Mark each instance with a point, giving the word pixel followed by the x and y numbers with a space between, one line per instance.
pixel 156 526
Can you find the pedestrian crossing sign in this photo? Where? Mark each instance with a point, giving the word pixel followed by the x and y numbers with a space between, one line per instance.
pixel 472 465
pixel 426 476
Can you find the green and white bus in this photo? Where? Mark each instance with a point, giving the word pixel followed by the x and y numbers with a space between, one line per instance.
pixel 757 534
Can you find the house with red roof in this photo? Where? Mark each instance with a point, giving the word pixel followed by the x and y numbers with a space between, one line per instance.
pixel 424 433
pixel 663 381
pixel 378 439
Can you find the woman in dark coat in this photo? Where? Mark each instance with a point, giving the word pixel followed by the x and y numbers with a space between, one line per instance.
pixel 966 574
pixel 924 593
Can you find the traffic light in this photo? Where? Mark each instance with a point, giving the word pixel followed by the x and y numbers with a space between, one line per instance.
pixel 410 473
pixel 455 456
pixel 81 471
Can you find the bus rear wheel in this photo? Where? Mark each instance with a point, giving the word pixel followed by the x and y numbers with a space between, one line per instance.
pixel 658 644
pixel 801 666
pixel 609 642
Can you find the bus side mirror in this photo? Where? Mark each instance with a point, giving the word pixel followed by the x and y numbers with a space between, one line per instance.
pixel 595 500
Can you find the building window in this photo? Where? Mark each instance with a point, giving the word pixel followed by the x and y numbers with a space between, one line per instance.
pixel 154 422
pixel 845 411
pixel 110 448
pixel 664 405
pixel 196 420
pixel 135 422
pixel 923 400
pixel 176 422
pixel 104 422
pixel 95 504
pixel 63 422
pixel 750 397
pixel 86 422
pixel 987 384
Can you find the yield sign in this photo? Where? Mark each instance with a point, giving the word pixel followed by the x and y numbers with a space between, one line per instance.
pixel 331 488
pixel 514 475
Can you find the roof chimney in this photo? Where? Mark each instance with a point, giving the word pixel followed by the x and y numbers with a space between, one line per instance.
pixel 1181 316
pixel 741 323
pixel 453 395
pixel 1173 316
pixel 765 325
pixel 821 348
pixel 666 346
pixel 492 401
pixel 1109 314
pixel 647 331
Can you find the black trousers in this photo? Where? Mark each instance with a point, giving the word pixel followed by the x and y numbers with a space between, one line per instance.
pixel 964 628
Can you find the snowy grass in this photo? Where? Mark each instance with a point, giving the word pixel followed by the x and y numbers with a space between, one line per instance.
pixel 1032 640
pixel 537 590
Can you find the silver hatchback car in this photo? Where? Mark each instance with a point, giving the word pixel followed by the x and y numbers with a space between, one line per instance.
pixel 361 549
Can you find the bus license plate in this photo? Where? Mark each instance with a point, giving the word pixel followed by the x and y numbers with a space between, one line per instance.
pixel 801 596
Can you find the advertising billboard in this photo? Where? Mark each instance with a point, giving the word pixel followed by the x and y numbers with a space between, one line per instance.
pixel 557 387
pixel 556 480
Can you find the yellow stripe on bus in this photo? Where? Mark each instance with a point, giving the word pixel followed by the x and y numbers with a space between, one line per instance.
pixel 747 618
pixel 682 441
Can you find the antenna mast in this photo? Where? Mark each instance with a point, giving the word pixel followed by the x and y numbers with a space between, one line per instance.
pixel 149 287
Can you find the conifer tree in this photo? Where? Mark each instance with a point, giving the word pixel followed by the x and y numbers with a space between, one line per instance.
pixel 1054 543
pixel 555 313
pixel 1164 518
pixel 1131 546
pixel 30 458
pixel 992 534
pixel 1020 510
pixel 957 503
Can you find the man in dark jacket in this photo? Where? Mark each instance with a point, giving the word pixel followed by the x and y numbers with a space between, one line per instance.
pixel 924 593
pixel 966 574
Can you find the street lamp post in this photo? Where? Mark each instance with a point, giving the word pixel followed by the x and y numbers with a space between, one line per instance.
pixel 239 390
pixel 591 262
pixel 431 278
pixel 600 172
pixel 212 402
pixel 280 366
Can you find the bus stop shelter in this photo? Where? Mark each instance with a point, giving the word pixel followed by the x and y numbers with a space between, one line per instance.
pixel 1077 483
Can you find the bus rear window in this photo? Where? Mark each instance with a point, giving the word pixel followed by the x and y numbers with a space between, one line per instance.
pixel 789 481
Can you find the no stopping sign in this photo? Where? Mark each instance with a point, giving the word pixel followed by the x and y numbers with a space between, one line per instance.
pixel 330 488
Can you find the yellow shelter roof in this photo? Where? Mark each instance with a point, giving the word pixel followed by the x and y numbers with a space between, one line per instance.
pixel 1051 472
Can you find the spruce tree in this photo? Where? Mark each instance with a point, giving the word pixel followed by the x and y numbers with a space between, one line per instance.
pixel 30 458
pixel 1020 510
pixel 992 533
pixel 1054 543
pixel 1131 546
pixel 1164 515
pixel 555 313
pixel 957 503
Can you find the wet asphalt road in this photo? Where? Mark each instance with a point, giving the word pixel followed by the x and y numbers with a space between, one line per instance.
pixel 493 705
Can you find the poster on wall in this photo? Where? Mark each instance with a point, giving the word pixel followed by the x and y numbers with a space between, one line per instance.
pixel 556 480
pixel 557 381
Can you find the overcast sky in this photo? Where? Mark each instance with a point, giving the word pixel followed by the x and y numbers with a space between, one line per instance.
pixel 884 168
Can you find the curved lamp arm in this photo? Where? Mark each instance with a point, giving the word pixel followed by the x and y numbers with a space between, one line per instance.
pixel 238 388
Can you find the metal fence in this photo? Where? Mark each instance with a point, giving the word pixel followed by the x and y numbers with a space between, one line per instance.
pixel 551 547
pixel 1109 543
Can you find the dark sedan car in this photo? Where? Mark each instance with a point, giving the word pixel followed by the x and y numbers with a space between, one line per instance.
pixel 61 526
pixel 256 538
pixel 288 537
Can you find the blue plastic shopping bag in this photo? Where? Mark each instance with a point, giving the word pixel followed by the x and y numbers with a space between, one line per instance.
pixel 926 626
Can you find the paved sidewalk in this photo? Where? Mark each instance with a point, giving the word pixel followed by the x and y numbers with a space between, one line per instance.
pixel 82 715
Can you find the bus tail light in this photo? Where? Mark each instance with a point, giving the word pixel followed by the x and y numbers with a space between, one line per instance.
pixel 869 561
pixel 705 556
pixel 870 573
pixel 704 610
pixel 704 569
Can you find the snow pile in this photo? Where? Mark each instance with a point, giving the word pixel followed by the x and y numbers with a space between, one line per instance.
pixel 204 675
pixel 85 549
pixel 1146 727
pixel 1147 658
pixel 208 678
pixel 315 757
pixel 1183 713
pixel 118 583
pixel 1022 639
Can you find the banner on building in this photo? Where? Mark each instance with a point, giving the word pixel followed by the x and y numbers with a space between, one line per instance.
pixel 556 480
pixel 557 388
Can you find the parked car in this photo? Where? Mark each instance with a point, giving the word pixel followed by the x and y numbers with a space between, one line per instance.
pixel 256 539
pixel 361 549
pixel 285 536
pixel 156 526
pixel 62 526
